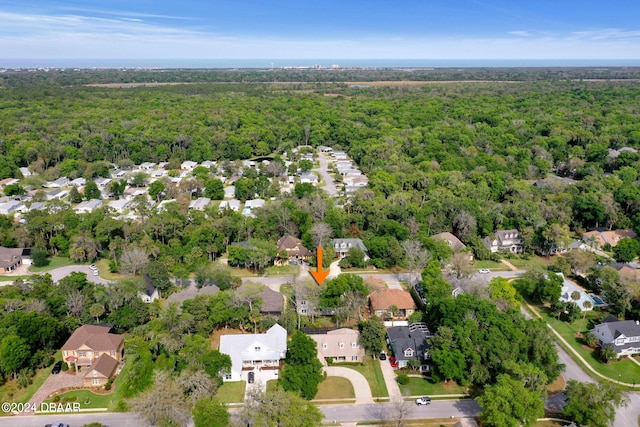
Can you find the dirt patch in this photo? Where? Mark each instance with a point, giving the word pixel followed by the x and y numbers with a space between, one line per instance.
pixel 215 337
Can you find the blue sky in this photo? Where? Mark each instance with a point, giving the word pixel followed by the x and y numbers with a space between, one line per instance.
pixel 349 29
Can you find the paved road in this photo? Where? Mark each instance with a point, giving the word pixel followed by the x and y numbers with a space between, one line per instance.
pixel 323 170
pixel 382 411
pixel 76 420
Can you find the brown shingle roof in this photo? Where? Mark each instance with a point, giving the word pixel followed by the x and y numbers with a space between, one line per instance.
pixel 293 246
pixel 9 256
pixel 105 365
pixel 96 337
pixel 385 298
pixel 452 240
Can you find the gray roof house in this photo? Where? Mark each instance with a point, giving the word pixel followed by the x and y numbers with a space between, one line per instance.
pixel 410 343
pixel 150 293
pixel 250 351
pixel 88 206
pixel 504 241
pixel 200 203
pixel 622 335
pixel 342 246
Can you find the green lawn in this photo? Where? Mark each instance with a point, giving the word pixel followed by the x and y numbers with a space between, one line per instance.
pixel 232 392
pixel 54 262
pixel 335 388
pixel 625 369
pixel 490 264
pixel 88 399
pixel 9 392
pixel 532 262
pixel 373 373
pixel 285 270
pixel 422 386
pixel 13 278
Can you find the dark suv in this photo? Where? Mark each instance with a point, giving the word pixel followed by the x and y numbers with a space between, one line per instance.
pixel 251 377
pixel 56 368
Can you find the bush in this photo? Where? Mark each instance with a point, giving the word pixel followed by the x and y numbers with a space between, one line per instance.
pixel 108 384
pixel 403 379
pixel 113 266
pixel 65 366
pixel 39 258
pixel 23 380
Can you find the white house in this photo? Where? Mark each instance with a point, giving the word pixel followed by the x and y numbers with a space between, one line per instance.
pixel 9 207
pixel 56 194
pixel 234 205
pixel 342 246
pixel 150 293
pixel 505 241
pixel 250 351
pixel 25 172
pixel 119 205
pixel 188 165
pixel 88 206
pixel 78 182
pixel 60 182
pixel 147 166
pixel 200 203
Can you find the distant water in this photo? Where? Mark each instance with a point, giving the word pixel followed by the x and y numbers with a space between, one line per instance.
pixel 324 63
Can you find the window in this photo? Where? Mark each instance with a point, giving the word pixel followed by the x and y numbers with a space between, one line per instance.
pixel 408 353
pixel 65 353
pixel 227 376
pixel 257 349
pixel 341 345
pixel 96 354
pixel 113 353
pixel 95 381
pixel 324 345
pixel 81 354
pixel 95 373
pixel 354 345
pixel 354 358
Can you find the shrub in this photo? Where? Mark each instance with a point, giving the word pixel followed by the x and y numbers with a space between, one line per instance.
pixel 590 339
pixel 65 366
pixel 403 379
pixel 23 380
pixel 108 384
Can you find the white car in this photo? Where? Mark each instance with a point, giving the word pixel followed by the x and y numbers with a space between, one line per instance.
pixel 93 267
pixel 484 270
pixel 424 400
pixel 96 272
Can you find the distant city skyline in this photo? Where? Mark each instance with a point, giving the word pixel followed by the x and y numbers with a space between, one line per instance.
pixel 81 30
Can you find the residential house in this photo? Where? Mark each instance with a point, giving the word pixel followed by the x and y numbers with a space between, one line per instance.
pixel 504 241
pixel 188 165
pixel 10 259
pixel 342 246
pixel 56 194
pixel 454 243
pixel 147 166
pixel 150 293
pixel 9 207
pixel 325 149
pixel 355 180
pixel 25 172
pixel 340 345
pixel 249 205
pixel 200 204
pixel 8 181
pixel 88 206
pixel 78 182
pixel 230 192
pixel 622 335
pixel 272 301
pixel 58 183
pixel 615 153
pixel 209 164
pixel 308 178
pixel 102 182
pixel 95 352
pixel 233 204
pixel 250 351
pixel 568 293
pixel 339 155
pixel 119 205
pixel 392 303
pixel 410 343
pixel 294 249
pixel 599 238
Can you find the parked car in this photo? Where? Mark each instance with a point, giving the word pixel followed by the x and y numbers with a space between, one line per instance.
pixel 383 356
pixel 93 267
pixel 56 425
pixel 56 368
pixel 96 272
pixel 251 377
pixel 484 270
pixel 424 400
pixel 393 362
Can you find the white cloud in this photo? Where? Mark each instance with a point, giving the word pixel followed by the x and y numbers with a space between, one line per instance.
pixel 520 33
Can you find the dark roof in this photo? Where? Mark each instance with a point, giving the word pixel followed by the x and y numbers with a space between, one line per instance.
pixel 272 301
pixel 149 288
pixel 402 338
pixel 452 240
pixel 293 246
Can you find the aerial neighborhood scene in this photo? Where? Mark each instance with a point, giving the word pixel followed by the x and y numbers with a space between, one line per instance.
pixel 374 241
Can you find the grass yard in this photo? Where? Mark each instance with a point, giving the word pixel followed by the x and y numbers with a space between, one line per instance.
pixel 624 370
pixel 335 388
pixel 103 267
pixel 10 392
pixel 285 270
pixel 532 262
pixel 373 373
pixel 13 278
pixel 422 386
pixel 232 392
pixel 54 262
pixel 492 265
pixel 88 399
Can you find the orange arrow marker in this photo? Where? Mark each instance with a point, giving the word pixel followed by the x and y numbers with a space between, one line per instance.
pixel 319 275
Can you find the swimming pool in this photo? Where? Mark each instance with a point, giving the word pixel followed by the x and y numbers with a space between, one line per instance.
pixel 597 301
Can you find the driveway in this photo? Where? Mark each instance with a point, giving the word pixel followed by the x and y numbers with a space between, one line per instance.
pixel 390 380
pixel 53 384
pixel 360 385
pixel 61 272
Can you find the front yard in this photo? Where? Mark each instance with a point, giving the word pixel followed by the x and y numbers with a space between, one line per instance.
pixel 373 373
pixel 231 392
pixel 335 388
pixel 418 386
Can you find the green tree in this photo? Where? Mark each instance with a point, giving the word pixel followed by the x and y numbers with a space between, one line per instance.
pixel 210 412
pixel 155 189
pixel 501 409
pixel 372 334
pixel 608 354
pixel 74 195
pixel 502 289
pixel 593 404
pixel 14 354
pixel 39 257
pixel 305 165
pixel 303 371
pixel 214 189
pixel 280 408
pixel 91 190
pixel 626 250
pixel 354 258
